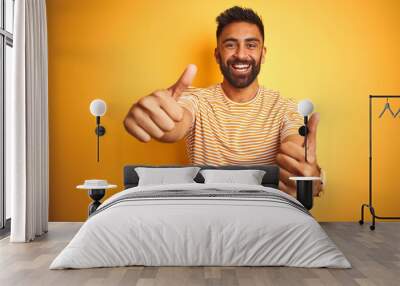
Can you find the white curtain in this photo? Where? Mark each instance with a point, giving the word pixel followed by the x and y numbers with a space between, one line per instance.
pixel 27 124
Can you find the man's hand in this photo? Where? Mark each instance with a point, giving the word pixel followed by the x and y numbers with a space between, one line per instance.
pixel 158 113
pixel 291 159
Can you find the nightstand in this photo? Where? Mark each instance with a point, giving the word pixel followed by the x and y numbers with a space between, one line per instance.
pixel 96 190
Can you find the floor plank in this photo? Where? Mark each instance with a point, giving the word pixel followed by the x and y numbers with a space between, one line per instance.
pixel 375 257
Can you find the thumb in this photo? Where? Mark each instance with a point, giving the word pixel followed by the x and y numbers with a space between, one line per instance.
pixel 184 81
pixel 312 131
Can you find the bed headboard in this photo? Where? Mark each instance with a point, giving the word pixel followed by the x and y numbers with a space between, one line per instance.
pixel 270 179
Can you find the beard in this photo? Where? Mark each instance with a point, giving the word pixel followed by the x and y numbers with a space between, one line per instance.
pixel 240 80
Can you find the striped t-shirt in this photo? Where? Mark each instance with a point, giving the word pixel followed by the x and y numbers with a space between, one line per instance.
pixel 225 132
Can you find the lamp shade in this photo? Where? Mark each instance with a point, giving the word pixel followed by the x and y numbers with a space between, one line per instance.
pixel 305 107
pixel 98 107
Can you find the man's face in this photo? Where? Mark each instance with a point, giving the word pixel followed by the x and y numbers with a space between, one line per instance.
pixel 239 53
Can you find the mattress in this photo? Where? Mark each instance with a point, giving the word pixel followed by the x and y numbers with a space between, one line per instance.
pixel 201 225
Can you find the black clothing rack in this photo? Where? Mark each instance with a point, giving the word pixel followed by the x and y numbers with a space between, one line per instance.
pixel 369 205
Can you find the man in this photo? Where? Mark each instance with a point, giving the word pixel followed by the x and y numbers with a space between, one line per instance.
pixel 237 122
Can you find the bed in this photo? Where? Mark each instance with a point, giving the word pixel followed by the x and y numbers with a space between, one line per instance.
pixel 201 224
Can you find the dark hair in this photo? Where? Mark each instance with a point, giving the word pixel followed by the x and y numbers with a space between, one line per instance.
pixel 239 14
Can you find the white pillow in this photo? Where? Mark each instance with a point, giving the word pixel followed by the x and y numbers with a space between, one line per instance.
pixel 249 177
pixel 166 175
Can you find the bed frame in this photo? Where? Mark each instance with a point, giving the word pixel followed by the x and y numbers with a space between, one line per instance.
pixel 270 179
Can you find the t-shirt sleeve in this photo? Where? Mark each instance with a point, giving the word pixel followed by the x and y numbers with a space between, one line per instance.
pixel 292 120
pixel 189 100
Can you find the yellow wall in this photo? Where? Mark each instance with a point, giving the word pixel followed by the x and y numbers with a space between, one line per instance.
pixel 333 52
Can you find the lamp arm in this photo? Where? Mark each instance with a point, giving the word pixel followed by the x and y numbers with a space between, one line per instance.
pixel 98 137
pixel 305 136
pixel 98 145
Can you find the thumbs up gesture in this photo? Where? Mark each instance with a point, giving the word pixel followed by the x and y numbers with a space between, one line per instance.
pixel 154 115
pixel 291 158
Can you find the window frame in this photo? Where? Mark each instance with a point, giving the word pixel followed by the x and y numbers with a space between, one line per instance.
pixel 6 39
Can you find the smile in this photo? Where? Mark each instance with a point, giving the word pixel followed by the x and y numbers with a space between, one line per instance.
pixel 241 68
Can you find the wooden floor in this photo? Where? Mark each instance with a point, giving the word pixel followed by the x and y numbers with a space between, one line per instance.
pixel 375 256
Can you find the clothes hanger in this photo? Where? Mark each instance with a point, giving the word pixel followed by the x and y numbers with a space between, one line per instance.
pixel 398 111
pixel 387 106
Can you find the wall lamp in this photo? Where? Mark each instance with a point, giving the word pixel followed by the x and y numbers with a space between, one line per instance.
pixel 98 108
pixel 304 185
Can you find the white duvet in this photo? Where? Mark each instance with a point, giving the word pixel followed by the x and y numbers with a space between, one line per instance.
pixel 200 231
